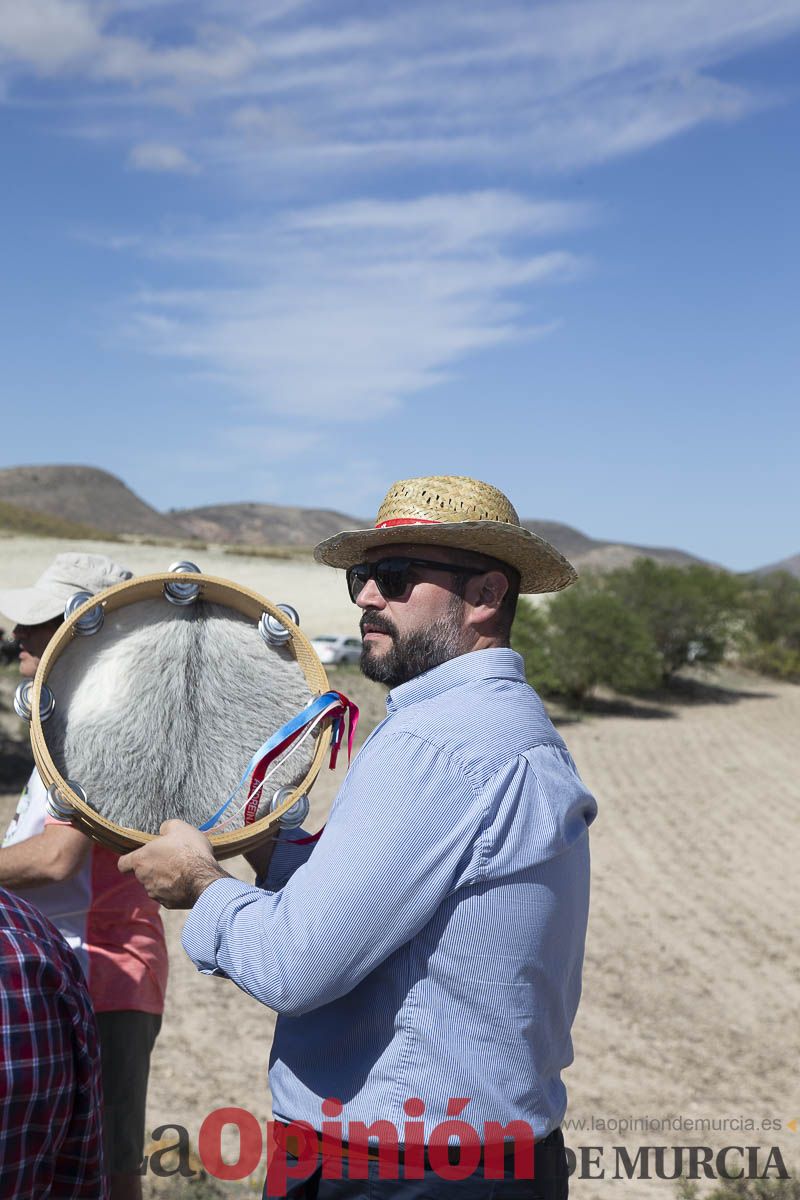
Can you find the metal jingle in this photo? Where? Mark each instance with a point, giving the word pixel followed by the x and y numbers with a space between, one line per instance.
pixel 91 621
pixel 74 602
pixel 273 631
pixel 290 611
pixel 182 593
pixel 47 703
pixel 294 816
pixel 184 566
pixel 23 701
pixel 58 806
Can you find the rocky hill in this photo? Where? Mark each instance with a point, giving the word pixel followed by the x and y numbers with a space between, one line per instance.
pixel 17 520
pixel 791 564
pixel 262 524
pixel 90 498
pixel 597 554
pixel 86 496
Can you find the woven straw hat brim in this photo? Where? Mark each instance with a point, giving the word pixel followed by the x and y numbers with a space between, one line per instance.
pixel 541 567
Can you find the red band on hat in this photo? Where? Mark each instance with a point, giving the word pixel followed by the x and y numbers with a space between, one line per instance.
pixel 407 521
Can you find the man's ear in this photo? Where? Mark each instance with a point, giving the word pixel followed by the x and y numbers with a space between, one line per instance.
pixel 485 593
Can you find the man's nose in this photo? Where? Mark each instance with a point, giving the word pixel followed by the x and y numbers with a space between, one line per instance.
pixel 370 596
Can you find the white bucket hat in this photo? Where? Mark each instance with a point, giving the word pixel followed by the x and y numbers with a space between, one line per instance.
pixel 66 575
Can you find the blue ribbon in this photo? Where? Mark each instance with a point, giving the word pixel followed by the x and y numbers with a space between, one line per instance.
pixel 298 722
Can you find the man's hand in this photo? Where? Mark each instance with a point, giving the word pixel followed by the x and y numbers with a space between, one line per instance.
pixel 176 867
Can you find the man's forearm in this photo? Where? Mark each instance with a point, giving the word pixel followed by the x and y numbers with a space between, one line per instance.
pixel 19 870
pixel 49 857
pixel 200 875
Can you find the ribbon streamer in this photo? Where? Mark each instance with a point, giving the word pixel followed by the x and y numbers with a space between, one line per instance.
pixel 330 706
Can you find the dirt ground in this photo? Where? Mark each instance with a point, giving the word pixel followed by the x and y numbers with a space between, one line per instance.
pixel 317 592
pixel 692 975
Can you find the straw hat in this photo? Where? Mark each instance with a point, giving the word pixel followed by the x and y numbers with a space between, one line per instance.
pixel 452 510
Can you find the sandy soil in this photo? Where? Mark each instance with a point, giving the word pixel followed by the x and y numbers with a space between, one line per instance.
pixel 692 979
pixel 317 592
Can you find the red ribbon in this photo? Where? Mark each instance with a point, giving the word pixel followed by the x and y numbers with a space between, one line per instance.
pixel 407 521
pixel 349 710
pixel 345 711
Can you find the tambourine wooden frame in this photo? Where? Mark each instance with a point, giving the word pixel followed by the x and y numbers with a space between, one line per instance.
pixel 149 587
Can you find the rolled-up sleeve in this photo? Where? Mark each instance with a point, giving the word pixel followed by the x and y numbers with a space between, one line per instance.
pixel 292 849
pixel 404 832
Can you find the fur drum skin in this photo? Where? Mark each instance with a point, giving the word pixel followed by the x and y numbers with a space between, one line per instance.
pixel 158 714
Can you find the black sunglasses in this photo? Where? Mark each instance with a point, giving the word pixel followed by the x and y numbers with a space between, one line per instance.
pixel 391 575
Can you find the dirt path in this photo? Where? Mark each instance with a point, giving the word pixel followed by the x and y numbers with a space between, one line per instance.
pixel 692 978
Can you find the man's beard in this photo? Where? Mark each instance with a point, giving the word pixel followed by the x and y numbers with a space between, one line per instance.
pixel 415 653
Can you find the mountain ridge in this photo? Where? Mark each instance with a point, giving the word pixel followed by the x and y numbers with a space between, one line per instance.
pixel 92 498
pixel 791 565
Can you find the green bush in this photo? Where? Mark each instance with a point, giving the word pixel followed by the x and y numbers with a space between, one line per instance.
pixel 586 637
pixel 596 639
pixel 530 637
pixel 693 614
pixel 773 608
pixel 637 626
pixel 770 658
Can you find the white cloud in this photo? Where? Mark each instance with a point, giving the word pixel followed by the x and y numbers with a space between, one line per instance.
pixel 157 156
pixel 47 35
pixel 445 218
pixel 517 86
pixel 342 313
pixel 593 128
pixel 269 124
pixel 74 38
pixel 130 61
pixel 330 305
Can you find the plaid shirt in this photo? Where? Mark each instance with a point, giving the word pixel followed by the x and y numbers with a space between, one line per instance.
pixel 50 1090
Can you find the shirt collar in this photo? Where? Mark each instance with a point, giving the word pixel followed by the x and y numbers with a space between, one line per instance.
pixel 499 663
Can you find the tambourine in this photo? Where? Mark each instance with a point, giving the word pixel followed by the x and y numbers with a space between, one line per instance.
pixel 180 695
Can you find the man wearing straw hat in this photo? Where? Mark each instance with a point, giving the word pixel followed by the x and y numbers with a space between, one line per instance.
pixel 424 955
pixel 115 931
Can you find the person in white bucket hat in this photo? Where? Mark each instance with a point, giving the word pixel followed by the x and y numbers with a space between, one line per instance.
pixel 115 931
pixel 67 574
pixel 424 953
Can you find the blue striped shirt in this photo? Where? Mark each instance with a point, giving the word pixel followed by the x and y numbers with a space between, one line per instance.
pixel 430 943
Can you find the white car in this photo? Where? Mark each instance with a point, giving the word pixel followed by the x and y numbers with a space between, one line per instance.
pixel 333 649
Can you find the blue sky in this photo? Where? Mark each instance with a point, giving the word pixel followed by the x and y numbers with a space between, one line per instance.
pixel 290 252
